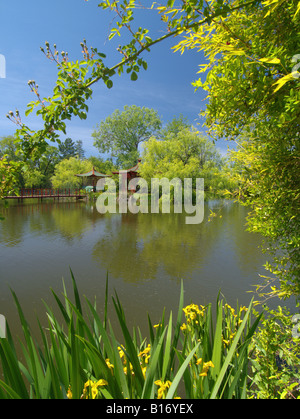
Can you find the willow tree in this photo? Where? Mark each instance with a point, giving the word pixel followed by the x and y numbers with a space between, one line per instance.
pixel 65 171
pixel 186 154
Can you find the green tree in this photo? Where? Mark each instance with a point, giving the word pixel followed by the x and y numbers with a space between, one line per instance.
pixel 33 177
pixel 12 178
pixel 9 173
pixel 67 149
pixel 186 154
pixel 121 133
pixel 79 149
pixel 103 166
pixel 8 147
pixel 65 171
pixel 176 125
pixel 37 174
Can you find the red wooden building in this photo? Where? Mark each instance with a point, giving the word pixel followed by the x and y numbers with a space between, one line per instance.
pixel 131 173
pixel 94 175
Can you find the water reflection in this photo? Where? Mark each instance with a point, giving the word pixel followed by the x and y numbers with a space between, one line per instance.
pixel 138 247
pixel 146 255
pixel 134 247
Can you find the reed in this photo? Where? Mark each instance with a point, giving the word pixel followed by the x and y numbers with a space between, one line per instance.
pixel 191 356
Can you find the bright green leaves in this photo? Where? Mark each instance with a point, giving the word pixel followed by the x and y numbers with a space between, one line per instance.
pixel 252 82
pixel 8 174
pixel 65 171
pixel 298 10
pixel 273 377
pixel 270 60
pixel 182 152
pixel 282 81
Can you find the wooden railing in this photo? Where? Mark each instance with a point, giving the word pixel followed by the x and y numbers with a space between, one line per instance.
pixel 49 193
pixel 31 193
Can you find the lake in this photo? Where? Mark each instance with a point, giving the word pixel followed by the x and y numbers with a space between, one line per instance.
pixel 145 256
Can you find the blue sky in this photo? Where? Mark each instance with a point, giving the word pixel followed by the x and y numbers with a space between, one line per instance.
pixel 26 25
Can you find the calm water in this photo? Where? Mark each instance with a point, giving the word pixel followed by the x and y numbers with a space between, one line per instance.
pixel 145 255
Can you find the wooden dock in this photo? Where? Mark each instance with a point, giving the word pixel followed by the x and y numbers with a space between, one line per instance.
pixel 48 193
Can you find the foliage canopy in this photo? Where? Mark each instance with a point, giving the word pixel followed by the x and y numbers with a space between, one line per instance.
pixel 65 171
pixel 185 153
pixel 254 98
pixel 122 132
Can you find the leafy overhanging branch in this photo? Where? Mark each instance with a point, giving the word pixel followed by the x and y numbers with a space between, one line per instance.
pixel 74 83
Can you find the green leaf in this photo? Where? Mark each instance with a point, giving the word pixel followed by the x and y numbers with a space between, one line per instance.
pixel 298 9
pixel 11 370
pixel 180 373
pixel 76 293
pixel 281 82
pixel 109 84
pixel 152 368
pixel 218 344
pixel 129 344
pixel 270 60
pixel 10 392
pixel 75 378
pixel 28 111
pixel 230 354
pixel 134 76
pixel 168 349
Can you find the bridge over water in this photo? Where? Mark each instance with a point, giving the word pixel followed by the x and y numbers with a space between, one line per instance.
pixel 48 193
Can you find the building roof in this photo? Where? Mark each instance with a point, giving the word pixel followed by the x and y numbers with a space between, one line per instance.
pixel 93 173
pixel 132 169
